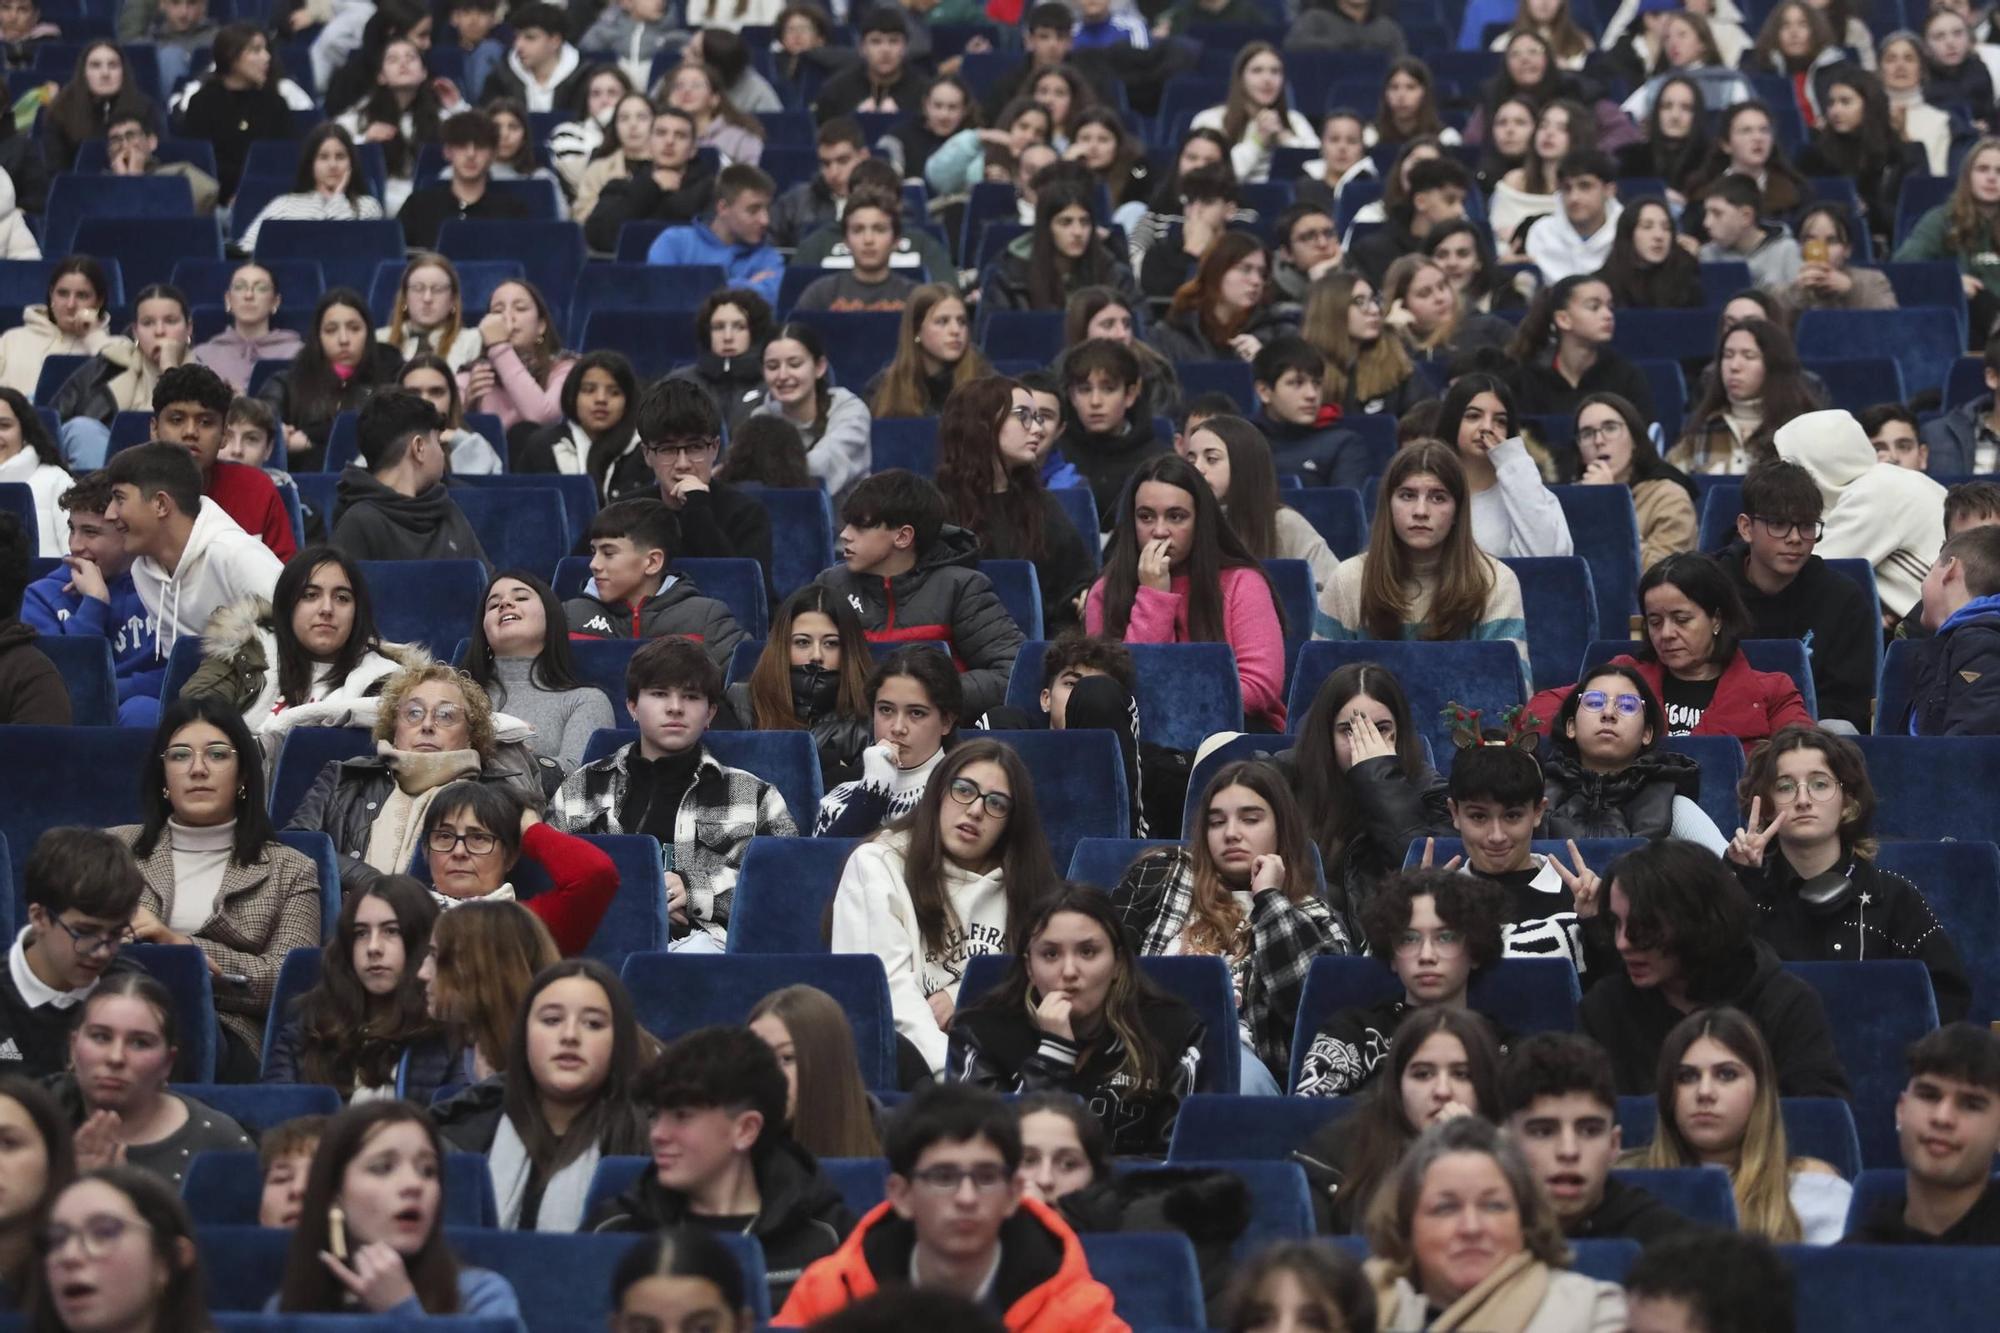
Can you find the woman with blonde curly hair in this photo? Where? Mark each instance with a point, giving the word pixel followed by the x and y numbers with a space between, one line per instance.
pixel 1718 1106
pixel 433 725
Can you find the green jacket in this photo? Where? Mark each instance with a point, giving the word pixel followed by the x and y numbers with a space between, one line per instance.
pixel 1926 241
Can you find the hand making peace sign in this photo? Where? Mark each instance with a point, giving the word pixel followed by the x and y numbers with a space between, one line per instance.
pixel 1582 883
pixel 1747 847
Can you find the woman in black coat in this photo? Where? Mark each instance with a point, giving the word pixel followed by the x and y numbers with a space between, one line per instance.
pixel 238 102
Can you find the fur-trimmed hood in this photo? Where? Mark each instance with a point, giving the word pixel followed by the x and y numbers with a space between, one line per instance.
pixel 239 664
pixel 232 626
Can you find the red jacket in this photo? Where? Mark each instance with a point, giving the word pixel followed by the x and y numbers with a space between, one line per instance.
pixel 252 499
pixel 1749 704
pixel 583 881
pixel 1043 1279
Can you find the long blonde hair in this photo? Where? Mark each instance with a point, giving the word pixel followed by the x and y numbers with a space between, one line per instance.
pixel 1762 1176
pixel 1969 227
pixel 486 956
pixel 830 1113
pixel 1352 370
pixel 902 392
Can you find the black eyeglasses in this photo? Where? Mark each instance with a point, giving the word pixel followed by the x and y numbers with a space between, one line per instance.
pixel 91 942
pixel 1782 528
pixel 967 793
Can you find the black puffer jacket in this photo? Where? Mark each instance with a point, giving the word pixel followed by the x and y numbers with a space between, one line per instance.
pixel 426 1064
pixel 803 1217
pixel 1635 802
pixel 839 737
pixel 1180 337
pixel 1003 1049
pixel 736 383
pixel 1210 1208
pixel 348 793
pixel 1394 809
pixel 945 598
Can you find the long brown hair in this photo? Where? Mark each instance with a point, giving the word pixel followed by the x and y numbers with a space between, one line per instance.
pixel 486 957
pixel 1464 574
pixel 1216 922
pixel 1326 795
pixel 1353 370
pixel 1786 394
pixel 1145 1065
pixel 968 443
pixel 1252 505
pixel 771 704
pixel 1215 548
pixel 1969 226
pixel 1026 872
pixel 1761 1177
pixel 1396 284
pixel 309 1285
pixel 1203 292
pixel 441 339
pixel 902 392
pixel 1237 113
pixel 1427 119
pixel 548 349
pixel 611 1122
pixel 347 1037
pixel 831 1116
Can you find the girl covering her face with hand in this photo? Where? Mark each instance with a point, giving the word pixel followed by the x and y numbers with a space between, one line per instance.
pixel 1615 448
pixel 522 368
pixel 1513 513
pixel 1077 1013
pixel 913 700
pixel 1175 572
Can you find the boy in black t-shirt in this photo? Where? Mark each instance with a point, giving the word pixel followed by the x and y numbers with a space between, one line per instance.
pixel 1948 1124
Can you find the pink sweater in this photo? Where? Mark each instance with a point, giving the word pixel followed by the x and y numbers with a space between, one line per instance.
pixel 515 396
pixel 1250 624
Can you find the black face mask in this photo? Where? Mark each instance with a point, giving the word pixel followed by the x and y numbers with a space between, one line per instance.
pixel 814 690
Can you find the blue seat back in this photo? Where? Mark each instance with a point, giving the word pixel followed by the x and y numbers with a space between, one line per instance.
pixel 1922 341
pixel 1722 763
pixel 1292 583
pixel 1821 1127
pixel 1604 530
pixel 318 848
pixel 183 970
pixel 863 1182
pixel 636 920
pixel 675 993
pixel 737 583
pixel 549 1271
pixel 1231 377
pixel 1721 502
pixel 301 756
pixel 858 342
pixel 1892 687
pixel 1080 506
pixel 1479 674
pixel 782 894
pixel 1893 1286
pixel 298 974
pixel 1875 1010
pixel 56 370
pixel 1856 383
pixel 1280 1201
pixel 1266 1129
pixel 578 492
pixel 73 197
pixel 1079 779
pixel 1336 514
pixel 1701 1193
pixel 910 443
pixel 89 676
pixel 261 1106
pixel 552 252
pixel 1186 691
pixel 1559 599
pixel 655 341
pixel 434 602
pixel 1523 995
pixel 801 536
pixel 520 527
pixel 18 499
pixel 83 775
pixel 1201 980
pixel 1961 881
pixel 1103 861
pixel 146 248
pixel 1921 783
pixel 348 252
pixel 1020 591
pixel 1154 1279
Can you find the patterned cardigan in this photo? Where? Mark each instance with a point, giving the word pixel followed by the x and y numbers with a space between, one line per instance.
pixel 1154 901
pixel 720 812
pixel 262 912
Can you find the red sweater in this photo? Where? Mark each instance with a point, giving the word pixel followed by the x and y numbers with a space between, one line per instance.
pixel 1749 704
pixel 252 499
pixel 584 881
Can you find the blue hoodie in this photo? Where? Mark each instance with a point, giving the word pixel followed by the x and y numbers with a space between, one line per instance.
pixel 51 610
pixel 759 267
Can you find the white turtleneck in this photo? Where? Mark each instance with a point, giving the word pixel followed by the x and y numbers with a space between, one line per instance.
pixel 201 856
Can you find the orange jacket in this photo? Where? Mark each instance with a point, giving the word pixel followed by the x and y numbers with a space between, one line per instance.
pixel 1047 1292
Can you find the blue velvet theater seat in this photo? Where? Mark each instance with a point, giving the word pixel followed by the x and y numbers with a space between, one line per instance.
pixel 603 663
pixel 1203 982
pixel 782 894
pixel 304 752
pixel 318 848
pixel 1257 1128
pixel 802 530
pixel 636 920
pixel 1821 1127
pixel 1923 342
pixel 1154 1279
pixel 1186 691
pixel 1893 1286
pixel 433 602
pixel 1523 995
pixel 260 1106
pixel 1560 601
pixel 348 252
pixel 67 775
pixel 910 443
pixel 298 974
pixel 88 674
pixel 1079 781
pixel 578 492
pixel 183 970
pixel 863 1182
pixel 1292 582
pixel 1875 1009
pixel 1961 881
pixel 1922 784
pixel 1080 507
pixel 1604 530
pixel 1336 513
pixel 183 660
pixel 519 527
pixel 1485 675
pixel 1103 861
pixel 552 252
pixel 1015 584
pixel 1280 1200
pixel 675 993
pixel 1701 1194
pixel 1721 760
pixel 1874 1191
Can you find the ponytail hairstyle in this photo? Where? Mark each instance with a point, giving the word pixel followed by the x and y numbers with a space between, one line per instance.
pixel 1216 548
pixel 1538 332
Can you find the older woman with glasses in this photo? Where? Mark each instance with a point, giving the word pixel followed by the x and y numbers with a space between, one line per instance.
pixel 433 726
pixel 216 875
pixel 476 833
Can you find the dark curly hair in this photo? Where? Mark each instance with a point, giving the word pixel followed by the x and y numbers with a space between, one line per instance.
pixel 1843 759
pixel 1468 904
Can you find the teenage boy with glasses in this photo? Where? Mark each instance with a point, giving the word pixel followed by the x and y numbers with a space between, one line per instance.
pixel 681 432
pixel 956 1221
pixel 1791 594
pixel 83 889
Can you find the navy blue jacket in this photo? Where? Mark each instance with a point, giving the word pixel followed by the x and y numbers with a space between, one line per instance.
pixel 1955 688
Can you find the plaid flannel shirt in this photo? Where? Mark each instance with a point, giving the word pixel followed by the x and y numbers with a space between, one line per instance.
pixel 720 812
pixel 1154 901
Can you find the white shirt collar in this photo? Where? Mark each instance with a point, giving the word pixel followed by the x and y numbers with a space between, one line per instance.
pixel 36 993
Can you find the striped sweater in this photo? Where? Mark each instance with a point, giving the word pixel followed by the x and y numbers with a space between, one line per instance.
pixel 1339 615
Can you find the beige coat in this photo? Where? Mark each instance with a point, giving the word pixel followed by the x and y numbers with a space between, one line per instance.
pixel 24 349
pixel 595 177
pixel 1668 524
pixel 263 911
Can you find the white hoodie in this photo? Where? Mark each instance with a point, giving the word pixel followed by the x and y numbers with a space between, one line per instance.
pixel 47 483
pixel 542 96
pixel 1887 515
pixel 16 241
pixel 220 564
pixel 872 913
pixel 1557 249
